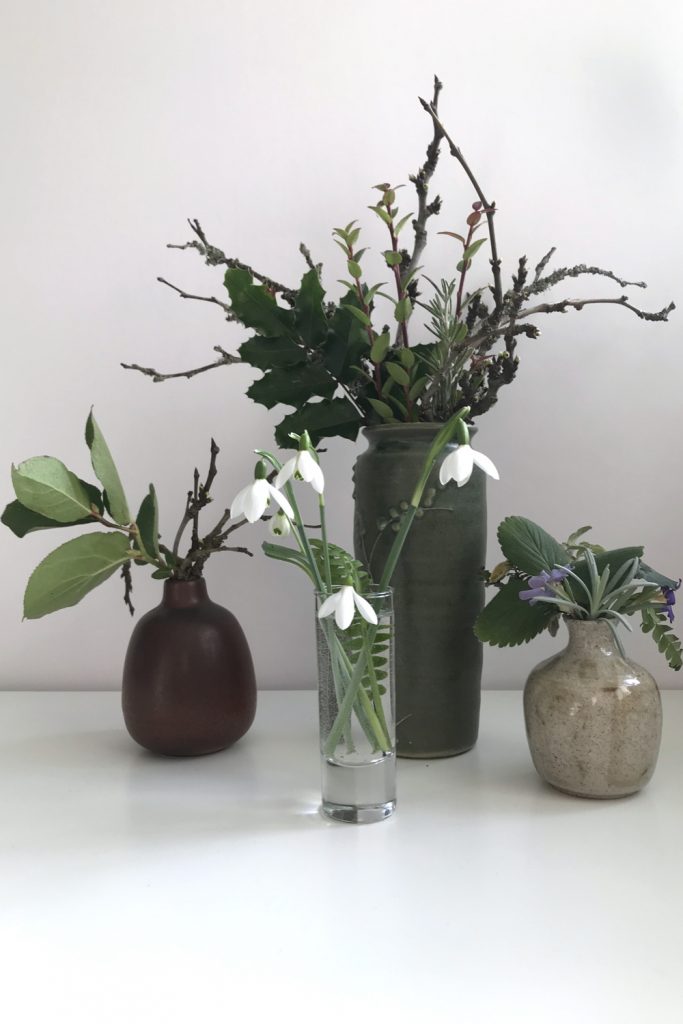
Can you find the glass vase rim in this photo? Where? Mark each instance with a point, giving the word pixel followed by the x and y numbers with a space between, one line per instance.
pixel 375 592
pixel 422 426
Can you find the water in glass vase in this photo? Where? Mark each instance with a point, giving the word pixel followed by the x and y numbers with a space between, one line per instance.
pixel 357 727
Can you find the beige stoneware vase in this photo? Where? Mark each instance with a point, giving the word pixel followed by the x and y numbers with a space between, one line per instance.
pixel 593 718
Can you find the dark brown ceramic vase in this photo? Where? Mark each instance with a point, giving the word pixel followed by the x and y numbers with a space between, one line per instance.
pixel 188 677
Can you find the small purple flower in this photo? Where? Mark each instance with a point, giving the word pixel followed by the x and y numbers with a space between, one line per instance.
pixel 670 598
pixel 543 585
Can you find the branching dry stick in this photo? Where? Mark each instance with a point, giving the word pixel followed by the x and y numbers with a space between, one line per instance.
pixel 564 304
pixel 421 182
pixel 541 284
pixel 214 257
pixel 128 587
pixel 226 359
pixel 490 207
pixel 229 315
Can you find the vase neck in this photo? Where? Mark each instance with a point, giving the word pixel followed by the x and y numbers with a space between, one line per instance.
pixel 589 636
pixel 184 593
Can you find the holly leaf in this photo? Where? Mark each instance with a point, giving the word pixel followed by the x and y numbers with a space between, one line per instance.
pixel 507 621
pixel 335 417
pixel 255 307
pixel 267 353
pixel 529 547
pixel 292 386
pixel 106 472
pixel 311 322
pixel 73 570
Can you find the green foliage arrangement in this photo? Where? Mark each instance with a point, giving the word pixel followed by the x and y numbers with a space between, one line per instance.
pixel 50 497
pixel 337 362
pixel 542 580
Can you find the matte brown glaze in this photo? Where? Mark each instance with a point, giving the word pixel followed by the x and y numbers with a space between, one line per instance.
pixel 188 677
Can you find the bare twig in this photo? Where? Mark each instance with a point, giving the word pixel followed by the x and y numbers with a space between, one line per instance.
pixel 229 315
pixel 225 359
pixel 128 587
pixel 490 207
pixel 421 182
pixel 564 304
pixel 216 257
pixel 306 253
pixel 541 284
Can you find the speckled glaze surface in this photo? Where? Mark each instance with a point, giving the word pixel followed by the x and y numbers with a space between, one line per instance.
pixel 593 718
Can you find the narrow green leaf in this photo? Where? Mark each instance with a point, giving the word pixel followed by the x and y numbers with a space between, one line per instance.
pixel 73 570
pixel 106 472
pixel 381 213
pixel 147 521
pixel 402 223
pixel 362 317
pixel 403 309
pixel 44 485
pixel 471 250
pixel 398 374
pixel 161 574
pixel 417 388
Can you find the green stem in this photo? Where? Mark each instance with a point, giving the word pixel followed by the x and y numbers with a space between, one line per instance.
pixel 326 549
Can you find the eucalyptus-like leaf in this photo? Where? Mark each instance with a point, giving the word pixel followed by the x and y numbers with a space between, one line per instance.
pixel 21 520
pixel 44 485
pixel 403 309
pixel 417 388
pixel 407 358
pixel 402 223
pixel 106 472
pixel 381 213
pixel 382 409
pixel 472 249
pixel 362 317
pixel 354 268
pixel 393 259
pixel 398 374
pixel 380 348
pixel 73 570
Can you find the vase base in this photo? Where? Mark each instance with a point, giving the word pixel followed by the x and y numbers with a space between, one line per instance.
pixel 352 814
pixel 618 795
pixel 433 755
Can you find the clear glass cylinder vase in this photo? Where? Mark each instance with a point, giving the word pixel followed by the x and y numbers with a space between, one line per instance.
pixel 357 721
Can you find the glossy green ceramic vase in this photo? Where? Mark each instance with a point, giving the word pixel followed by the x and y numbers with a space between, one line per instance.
pixel 438 588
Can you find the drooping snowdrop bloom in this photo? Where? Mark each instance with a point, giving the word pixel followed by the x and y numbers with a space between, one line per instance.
pixel 253 500
pixel 459 464
pixel 279 525
pixel 303 466
pixel 342 602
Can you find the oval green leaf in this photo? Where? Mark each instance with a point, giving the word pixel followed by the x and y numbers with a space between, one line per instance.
pixel 398 374
pixel 44 485
pixel 73 570
pixel 403 309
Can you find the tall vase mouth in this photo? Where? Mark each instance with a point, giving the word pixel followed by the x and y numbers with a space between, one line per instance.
pixel 184 593
pixel 421 429
pixel 372 593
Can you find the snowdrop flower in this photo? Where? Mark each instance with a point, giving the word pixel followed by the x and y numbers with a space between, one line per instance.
pixel 303 466
pixel 280 525
pixel 459 464
pixel 342 602
pixel 252 501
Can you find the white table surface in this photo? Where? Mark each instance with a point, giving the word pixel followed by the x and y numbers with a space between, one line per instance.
pixel 142 889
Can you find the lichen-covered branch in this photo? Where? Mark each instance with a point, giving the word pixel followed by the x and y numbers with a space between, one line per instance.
pixel 421 182
pixel 229 315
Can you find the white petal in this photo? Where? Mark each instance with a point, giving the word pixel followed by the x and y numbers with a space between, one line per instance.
pixel 345 612
pixel 484 462
pixel 280 499
pixel 280 525
pixel 256 500
pixel 286 472
pixel 328 606
pixel 237 503
pixel 464 464
pixel 447 469
pixel 309 471
pixel 365 608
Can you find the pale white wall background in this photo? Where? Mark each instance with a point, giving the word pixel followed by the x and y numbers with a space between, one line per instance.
pixel 269 122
